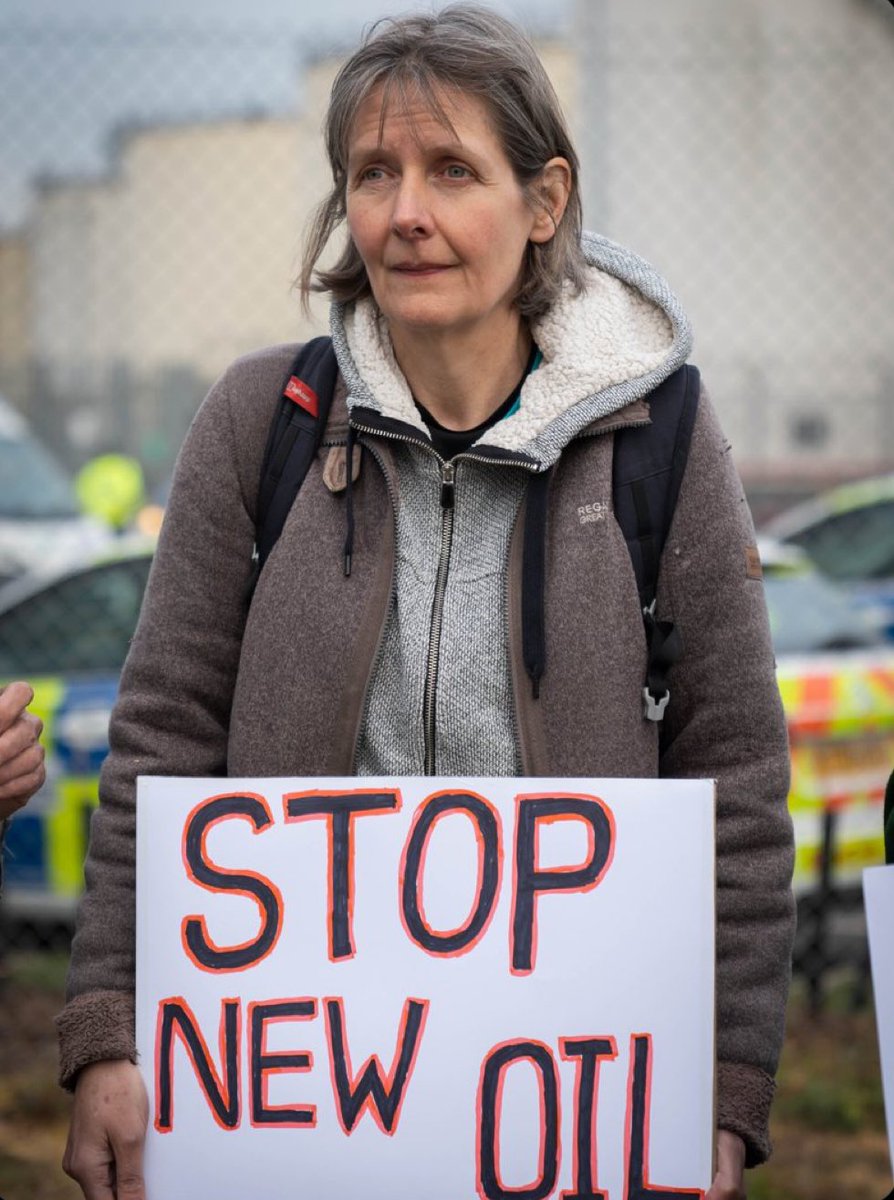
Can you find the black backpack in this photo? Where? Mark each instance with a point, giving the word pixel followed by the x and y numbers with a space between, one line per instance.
pixel 648 465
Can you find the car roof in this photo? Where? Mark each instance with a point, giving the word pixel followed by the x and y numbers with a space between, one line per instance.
pixel 122 549
pixel 863 493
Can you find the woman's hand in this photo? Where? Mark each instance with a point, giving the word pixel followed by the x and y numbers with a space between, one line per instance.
pixel 729 1182
pixel 21 754
pixel 108 1128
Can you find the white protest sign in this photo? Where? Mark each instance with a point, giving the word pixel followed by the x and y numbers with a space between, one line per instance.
pixel 403 988
pixel 878 896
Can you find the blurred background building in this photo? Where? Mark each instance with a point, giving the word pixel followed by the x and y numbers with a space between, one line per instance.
pixel 745 149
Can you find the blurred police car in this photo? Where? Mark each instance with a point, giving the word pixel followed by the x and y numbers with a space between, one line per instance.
pixel 836 678
pixel 66 630
pixel 40 521
pixel 849 533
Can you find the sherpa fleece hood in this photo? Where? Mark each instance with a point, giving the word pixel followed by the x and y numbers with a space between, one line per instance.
pixel 601 350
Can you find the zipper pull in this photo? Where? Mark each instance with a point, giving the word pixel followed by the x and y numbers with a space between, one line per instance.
pixel 447 485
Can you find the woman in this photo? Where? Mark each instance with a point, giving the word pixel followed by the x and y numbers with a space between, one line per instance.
pixel 481 342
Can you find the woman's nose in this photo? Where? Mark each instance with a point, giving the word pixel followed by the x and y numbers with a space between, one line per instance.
pixel 411 214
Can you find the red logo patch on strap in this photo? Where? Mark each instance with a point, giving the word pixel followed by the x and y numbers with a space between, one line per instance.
pixel 296 389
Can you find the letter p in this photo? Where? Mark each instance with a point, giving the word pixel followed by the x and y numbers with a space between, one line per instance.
pixel 529 880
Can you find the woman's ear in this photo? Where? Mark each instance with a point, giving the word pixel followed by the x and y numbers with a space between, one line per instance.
pixel 551 192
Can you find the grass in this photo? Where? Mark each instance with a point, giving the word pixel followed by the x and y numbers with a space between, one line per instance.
pixel 828 1122
pixel 33 1108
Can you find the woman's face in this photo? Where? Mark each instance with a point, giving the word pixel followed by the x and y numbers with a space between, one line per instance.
pixel 437 216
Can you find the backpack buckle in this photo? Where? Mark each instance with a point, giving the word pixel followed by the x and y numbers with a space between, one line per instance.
pixel 654 706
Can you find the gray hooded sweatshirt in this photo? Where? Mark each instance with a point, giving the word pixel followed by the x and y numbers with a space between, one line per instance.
pixel 440 701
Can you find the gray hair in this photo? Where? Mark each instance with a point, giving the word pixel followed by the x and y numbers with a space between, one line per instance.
pixel 472 50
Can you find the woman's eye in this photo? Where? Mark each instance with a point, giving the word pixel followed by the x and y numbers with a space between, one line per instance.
pixel 372 174
pixel 457 171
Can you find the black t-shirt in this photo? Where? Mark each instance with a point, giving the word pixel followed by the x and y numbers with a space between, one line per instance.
pixel 450 442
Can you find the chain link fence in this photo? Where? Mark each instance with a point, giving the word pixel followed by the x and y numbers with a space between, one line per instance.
pixel 748 151
pixel 156 179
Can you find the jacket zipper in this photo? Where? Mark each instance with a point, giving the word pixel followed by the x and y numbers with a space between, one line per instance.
pixel 429 696
pixel 432 659
pixel 447 472
pixel 447 502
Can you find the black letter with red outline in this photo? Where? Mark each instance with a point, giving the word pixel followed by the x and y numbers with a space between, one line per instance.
pixel 490 1096
pixel 381 1094
pixel 589 1053
pixel 636 1134
pixel 262 1063
pixel 490 859
pixel 529 880
pixel 176 1017
pixel 339 809
pixel 193 931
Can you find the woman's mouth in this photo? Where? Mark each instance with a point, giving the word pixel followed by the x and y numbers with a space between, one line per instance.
pixel 418 269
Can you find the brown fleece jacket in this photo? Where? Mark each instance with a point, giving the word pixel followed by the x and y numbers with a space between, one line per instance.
pixel 206 691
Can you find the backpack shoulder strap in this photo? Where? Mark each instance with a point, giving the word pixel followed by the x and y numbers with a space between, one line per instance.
pixel 649 461
pixel 295 435
pixel 648 466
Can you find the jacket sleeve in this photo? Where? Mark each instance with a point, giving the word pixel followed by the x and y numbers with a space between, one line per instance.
pixel 725 722
pixel 172 712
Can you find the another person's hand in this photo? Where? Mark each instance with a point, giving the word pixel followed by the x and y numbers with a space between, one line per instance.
pixel 108 1130
pixel 21 754
pixel 729 1182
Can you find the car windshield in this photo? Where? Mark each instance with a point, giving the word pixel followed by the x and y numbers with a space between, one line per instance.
pixel 83 622
pixel 808 614
pixel 856 544
pixel 33 484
